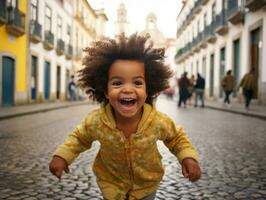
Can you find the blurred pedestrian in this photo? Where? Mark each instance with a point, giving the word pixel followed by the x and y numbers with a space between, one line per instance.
pixel 125 78
pixel 199 90
pixel 191 88
pixel 228 84
pixel 183 84
pixel 72 89
pixel 248 84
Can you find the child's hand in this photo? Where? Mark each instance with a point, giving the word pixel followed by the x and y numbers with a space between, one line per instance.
pixel 57 165
pixel 191 169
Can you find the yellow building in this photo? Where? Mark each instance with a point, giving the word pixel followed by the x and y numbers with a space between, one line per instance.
pixel 13 49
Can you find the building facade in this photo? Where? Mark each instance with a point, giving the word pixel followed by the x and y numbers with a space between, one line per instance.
pixel 214 36
pixel 13 50
pixel 121 25
pixel 50 49
pixel 51 36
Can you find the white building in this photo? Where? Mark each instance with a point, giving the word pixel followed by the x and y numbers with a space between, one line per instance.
pixel 59 31
pixel 121 25
pixel 214 36
pixel 50 43
pixel 159 41
pixel 156 35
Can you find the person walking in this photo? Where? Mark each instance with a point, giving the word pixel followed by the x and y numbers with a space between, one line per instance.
pixel 228 84
pixel 199 90
pixel 248 84
pixel 191 88
pixel 183 84
pixel 72 88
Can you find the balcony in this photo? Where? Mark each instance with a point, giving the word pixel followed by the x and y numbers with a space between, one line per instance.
pixel 60 47
pixel 15 22
pixel 3 12
pixel 35 31
pixel 78 54
pixel 202 42
pixel 204 2
pixel 254 5
pixel 179 55
pixel 69 52
pixel 235 13
pixel 48 42
pixel 80 18
pixel 221 23
pixel 197 7
pixel 210 33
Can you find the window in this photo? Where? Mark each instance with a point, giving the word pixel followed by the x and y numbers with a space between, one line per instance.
pixel 34 10
pixel 204 21
pixel 213 11
pixel 68 39
pixel 13 3
pixel 198 27
pixel 59 28
pixel 48 19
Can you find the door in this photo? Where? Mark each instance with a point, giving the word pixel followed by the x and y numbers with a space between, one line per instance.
pixel 212 76
pixel 66 84
pixel 204 67
pixel 58 82
pixel 222 69
pixel 254 53
pixel 236 63
pixel 34 81
pixel 8 81
pixel 46 80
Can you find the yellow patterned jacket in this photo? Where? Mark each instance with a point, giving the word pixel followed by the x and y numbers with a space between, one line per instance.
pixel 127 165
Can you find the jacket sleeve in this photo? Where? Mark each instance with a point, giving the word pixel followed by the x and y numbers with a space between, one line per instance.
pixel 76 142
pixel 177 141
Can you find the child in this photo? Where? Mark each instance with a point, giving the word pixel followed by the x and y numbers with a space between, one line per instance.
pixel 125 76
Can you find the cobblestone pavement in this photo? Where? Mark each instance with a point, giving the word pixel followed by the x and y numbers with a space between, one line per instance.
pixel 232 150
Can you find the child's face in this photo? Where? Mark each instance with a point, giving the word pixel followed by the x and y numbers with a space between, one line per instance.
pixel 126 90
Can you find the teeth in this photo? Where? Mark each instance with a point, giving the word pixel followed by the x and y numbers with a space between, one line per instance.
pixel 127 99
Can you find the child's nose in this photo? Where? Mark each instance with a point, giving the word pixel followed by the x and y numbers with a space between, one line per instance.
pixel 128 88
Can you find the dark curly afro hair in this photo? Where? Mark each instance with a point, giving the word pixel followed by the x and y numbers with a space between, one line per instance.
pixel 101 54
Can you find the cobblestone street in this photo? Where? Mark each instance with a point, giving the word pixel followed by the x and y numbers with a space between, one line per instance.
pixel 232 149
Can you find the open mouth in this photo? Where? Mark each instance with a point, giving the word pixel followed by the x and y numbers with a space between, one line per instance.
pixel 128 102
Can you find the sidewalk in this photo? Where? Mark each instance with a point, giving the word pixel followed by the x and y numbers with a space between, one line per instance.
pixel 20 110
pixel 257 111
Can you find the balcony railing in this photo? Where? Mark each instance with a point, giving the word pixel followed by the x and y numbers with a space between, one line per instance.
pixel 3 12
pixel 48 42
pixel 78 54
pixel 35 31
pixel 15 22
pixel 235 12
pixel 221 23
pixel 60 47
pixel 204 2
pixel 197 7
pixel 254 5
pixel 69 52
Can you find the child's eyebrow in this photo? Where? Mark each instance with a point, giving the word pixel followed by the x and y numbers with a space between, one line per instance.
pixel 119 77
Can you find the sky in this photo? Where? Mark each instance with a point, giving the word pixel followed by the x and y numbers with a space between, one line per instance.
pixel 137 11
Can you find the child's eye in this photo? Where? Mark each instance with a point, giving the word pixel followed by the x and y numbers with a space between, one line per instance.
pixel 116 83
pixel 138 83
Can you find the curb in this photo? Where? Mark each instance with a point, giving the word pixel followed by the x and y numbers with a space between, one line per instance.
pixel 250 114
pixel 8 116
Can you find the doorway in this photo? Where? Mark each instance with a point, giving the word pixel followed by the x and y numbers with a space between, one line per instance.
pixel 8 81
pixel 254 56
